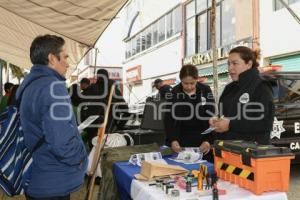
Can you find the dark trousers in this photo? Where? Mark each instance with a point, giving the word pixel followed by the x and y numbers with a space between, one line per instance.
pixel 91 133
pixel 48 198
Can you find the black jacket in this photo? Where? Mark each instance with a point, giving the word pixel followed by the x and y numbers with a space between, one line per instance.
pixel 98 93
pixel 164 91
pixel 184 129
pixel 238 102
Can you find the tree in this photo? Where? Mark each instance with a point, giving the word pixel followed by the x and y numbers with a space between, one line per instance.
pixel 16 71
pixel 3 64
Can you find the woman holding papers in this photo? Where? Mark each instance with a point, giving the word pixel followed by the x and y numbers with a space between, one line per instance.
pixel 192 104
pixel 246 102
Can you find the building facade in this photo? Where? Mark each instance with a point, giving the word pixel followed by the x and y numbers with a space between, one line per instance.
pixel 280 32
pixel 236 24
pixel 108 53
pixel 153 39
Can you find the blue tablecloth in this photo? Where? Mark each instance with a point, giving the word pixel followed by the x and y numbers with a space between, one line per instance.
pixel 124 173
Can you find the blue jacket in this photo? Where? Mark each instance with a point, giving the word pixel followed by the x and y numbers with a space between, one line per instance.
pixel 59 164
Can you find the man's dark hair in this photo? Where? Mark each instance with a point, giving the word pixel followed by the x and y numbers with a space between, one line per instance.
pixel 12 98
pixel 157 81
pixel 43 45
pixel 8 86
pixel 85 80
pixel 102 75
pixel 102 72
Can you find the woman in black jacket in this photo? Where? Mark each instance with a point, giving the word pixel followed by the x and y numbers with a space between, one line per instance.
pixel 247 102
pixel 192 106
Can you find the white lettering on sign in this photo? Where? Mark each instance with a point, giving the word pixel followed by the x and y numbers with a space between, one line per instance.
pixel 297 127
pixel 294 145
pixel 132 74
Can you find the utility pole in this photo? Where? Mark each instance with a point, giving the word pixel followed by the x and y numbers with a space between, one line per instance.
pixel 214 49
pixel 95 67
pixel 1 82
pixel 296 17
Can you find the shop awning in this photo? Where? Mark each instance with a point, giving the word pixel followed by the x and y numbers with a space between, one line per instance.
pixel 209 70
pixel 79 22
pixel 288 63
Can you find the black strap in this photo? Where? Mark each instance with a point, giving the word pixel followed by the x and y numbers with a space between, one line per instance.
pixel 18 101
pixel 38 144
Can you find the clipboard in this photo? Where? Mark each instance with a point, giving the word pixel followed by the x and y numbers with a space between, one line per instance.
pixel 87 122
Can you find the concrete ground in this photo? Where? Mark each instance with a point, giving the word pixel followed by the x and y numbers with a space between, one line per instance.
pixel 293 193
pixel 294 190
pixel 79 195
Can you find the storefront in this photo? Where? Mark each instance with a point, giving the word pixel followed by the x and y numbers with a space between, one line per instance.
pixel 223 77
pixel 203 61
pixel 288 63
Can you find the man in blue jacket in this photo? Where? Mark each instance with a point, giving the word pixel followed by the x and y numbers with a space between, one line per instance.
pixel 59 157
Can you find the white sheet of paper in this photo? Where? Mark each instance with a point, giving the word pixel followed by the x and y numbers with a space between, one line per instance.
pixel 87 122
pixel 207 131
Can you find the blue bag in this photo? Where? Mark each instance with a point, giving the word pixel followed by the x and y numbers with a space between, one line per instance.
pixel 15 158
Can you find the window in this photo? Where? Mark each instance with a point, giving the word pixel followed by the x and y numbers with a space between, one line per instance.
pixel 176 17
pixel 161 29
pixel 148 37
pixel 286 89
pixel 278 5
pixel 190 9
pixel 138 44
pixel 288 95
pixel 292 1
pixel 169 22
pixel 155 33
pixel 228 22
pixel 208 29
pixel 128 49
pixel 201 5
pixel 225 25
pixel 133 46
pixel 158 31
pixel 190 36
pixel 143 41
pixel 202 32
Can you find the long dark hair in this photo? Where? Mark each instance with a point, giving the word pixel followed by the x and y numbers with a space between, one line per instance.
pixel 247 54
pixel 11 101
pixel 75 99
pixel 102 75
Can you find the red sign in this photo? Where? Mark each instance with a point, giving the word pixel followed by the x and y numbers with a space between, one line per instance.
pixel 134 74
pixel 169 81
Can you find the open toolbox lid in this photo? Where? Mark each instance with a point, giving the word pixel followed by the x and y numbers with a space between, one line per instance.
pixel 250 150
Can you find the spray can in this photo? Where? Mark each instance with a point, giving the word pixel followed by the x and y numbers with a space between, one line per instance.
pixel 215 193
pixel 188 187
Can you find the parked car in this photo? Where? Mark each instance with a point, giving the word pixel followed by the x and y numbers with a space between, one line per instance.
pixel 286 127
